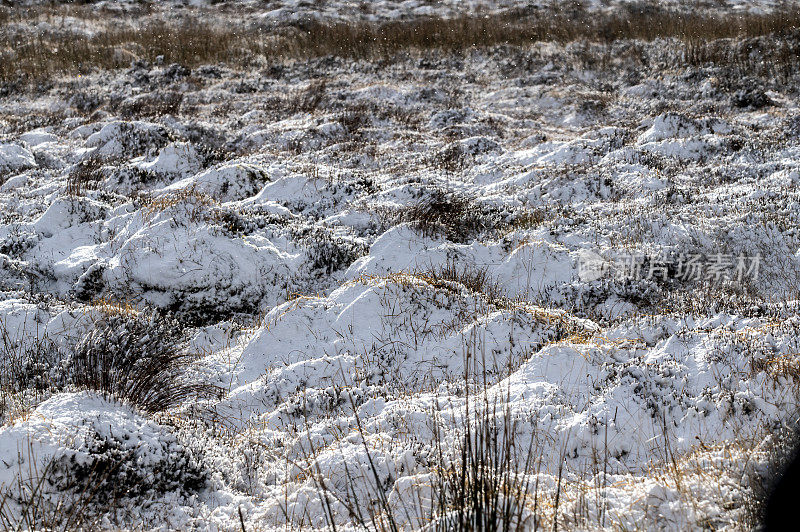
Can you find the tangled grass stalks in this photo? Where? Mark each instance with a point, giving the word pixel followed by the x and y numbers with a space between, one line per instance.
pixel 136 360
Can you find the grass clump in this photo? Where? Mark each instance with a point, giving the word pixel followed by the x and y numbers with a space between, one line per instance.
pixel 85 176
pixel 473 278
pixel 482 484
pixel 443 213
pixel 487 487
pixel 136 360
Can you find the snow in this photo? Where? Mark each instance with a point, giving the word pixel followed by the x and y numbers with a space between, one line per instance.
pixel 282 246
pixel 671 125
pixel 38 137
pixel 228 182
pixel 119 138
pixel 64 431
pixel 178 159
pixel 14 158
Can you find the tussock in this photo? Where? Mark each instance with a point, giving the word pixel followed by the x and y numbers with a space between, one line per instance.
pixel 136 360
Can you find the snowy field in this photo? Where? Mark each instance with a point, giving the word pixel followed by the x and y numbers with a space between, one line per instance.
pixel 347 293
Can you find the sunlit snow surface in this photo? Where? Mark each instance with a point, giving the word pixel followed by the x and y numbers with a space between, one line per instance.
pixel 269 232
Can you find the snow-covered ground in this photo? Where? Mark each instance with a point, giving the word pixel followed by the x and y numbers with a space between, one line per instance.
pixel 354 258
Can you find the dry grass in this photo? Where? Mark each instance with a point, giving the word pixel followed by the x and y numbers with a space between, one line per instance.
pixel 136 360
pixel 483 483
pixel 27 503
pixel 152 104
pixel 528 219
pixel 85 176
pixel 197 204
pixel 447 214
pixel 488 487
pixel 24 357
pixel 111 307
pixel 474 279
pixel 190 41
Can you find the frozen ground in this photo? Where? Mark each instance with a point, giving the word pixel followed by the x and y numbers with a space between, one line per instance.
pixel 353 257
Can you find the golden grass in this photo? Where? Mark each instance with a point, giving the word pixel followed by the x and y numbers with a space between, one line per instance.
pixel 111 307
pixel 188 196
pixel 191 41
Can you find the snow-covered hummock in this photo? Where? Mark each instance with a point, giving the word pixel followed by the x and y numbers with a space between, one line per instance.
pixel 280 240
pixel 176 159
pixel 73 436
pixel 226 182
pixel 14 158
pixel 61 425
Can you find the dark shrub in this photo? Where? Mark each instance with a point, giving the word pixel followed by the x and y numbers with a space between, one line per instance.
pixel 85 176
pixel 452 215
pixel 135 358
pixel 750 99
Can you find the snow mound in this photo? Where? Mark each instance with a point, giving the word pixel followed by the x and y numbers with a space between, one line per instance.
pixel 38 137
pixel 14 158
pixel 176 259
pixel 82 443
pixel 227 182
pixel 128 139
pixel 674 126
pixel 530 268
pixel 174 160
pixel 364 317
